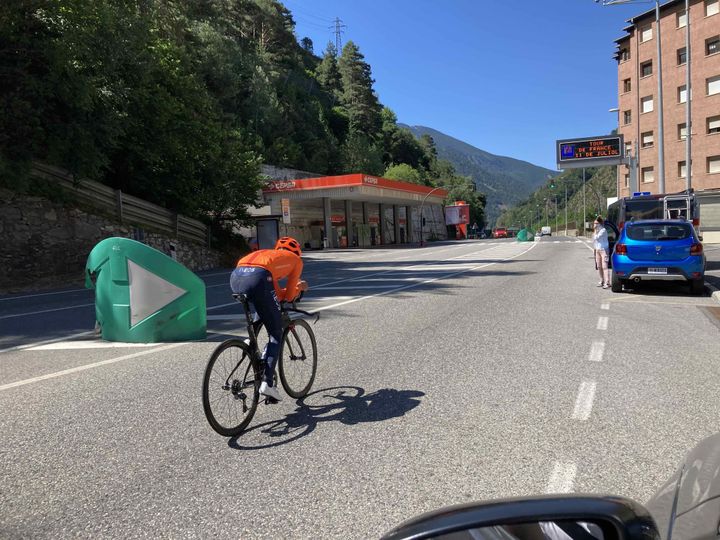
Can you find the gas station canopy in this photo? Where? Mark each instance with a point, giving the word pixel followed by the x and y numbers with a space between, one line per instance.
pixel 357 187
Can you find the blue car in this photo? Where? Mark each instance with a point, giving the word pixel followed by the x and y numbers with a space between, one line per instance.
pixel 658 250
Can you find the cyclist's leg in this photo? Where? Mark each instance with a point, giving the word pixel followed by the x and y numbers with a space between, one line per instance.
pixel 268 307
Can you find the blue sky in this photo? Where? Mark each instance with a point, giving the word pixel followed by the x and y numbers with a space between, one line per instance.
pixel 507 76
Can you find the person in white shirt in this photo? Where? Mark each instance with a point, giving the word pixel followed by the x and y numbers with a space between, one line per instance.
pixel 602 252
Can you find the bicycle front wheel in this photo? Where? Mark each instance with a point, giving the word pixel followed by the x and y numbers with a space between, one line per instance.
pixel 231 387
pixel 298 359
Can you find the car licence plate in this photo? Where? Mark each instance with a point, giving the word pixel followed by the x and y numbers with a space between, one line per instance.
pixel 662 271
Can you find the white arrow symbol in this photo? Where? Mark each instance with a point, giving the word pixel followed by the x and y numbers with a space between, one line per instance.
pixel 149 293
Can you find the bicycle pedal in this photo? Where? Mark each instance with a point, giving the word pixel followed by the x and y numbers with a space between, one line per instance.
pixel 271 401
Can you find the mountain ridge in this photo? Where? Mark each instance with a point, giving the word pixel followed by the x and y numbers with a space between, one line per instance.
pixel 504 180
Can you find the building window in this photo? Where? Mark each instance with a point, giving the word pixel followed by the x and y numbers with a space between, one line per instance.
pixel 648 175
pixel 713 85
pixel 645 34
pixel 713 164
pixel 713 124
pixel 682 169
pixel 681 19
pixel 682 94
pixel 627 85
pixel 624 55
pixel 681 56
pixel 646 69
pixel 628 148
pixel 647 139
pixel 682 131
pixel 646 104
pixel 627 117
pixel 627 180
pixel 712 7
pixel 712 45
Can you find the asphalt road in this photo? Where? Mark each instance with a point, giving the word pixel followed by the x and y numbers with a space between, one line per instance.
pixel 457 372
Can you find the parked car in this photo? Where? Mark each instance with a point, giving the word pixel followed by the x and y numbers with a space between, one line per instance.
pixel 546 231
pixel 658 250
pixel 500 232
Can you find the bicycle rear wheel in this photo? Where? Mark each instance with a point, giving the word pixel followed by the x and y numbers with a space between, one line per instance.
pixel 298 359
pixel 231 385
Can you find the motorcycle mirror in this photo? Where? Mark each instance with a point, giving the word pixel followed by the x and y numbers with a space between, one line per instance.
pixel 537 518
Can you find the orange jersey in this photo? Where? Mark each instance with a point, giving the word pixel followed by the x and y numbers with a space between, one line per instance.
pixel 281 264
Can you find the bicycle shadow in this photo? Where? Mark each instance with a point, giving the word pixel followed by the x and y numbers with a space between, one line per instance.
pixel 348 405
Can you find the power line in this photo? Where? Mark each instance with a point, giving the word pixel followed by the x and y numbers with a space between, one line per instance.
pixel 337 29
pixel 310 14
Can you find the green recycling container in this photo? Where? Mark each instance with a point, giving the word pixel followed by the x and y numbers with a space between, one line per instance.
pixel 144 296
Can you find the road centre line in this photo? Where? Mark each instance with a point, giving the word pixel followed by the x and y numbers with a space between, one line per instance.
pixel 584 401
pixel 383 293
pixel 562 478
pixel 41 294
pixel 605 306
pixel 88 366
pixel 382 272
pixel 174 345
pixel 602 323
pixel 44 311
pixel 597 350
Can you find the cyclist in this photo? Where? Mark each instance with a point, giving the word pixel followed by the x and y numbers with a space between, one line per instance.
pixel 258 275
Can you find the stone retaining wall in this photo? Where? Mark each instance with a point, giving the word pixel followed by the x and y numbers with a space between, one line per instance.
pixel 45 244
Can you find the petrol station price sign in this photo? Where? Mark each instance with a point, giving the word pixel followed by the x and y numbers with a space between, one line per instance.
pixel 590 152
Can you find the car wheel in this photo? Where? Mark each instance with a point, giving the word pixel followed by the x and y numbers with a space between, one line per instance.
pixel 616 283
pixel 697 286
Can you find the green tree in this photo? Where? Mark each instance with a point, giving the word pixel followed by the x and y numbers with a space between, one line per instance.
pixel 358 97
pixel 404 172
pixel 361 155
pixel 328 75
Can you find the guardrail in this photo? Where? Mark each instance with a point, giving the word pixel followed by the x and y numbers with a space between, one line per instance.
pixel 125 208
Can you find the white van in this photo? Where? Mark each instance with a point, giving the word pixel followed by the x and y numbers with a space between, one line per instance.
pixel 546 231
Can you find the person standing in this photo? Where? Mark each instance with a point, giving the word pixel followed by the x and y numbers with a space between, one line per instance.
pixel 601 248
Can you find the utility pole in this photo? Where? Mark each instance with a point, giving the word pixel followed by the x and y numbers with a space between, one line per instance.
pixel 337 29
pixel 566 210
pixel 584 213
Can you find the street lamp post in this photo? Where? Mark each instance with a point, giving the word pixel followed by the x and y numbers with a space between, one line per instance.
pixel 566 210
pixel 661 137
pixel 422 243
pixel 584 212
pixel 556 215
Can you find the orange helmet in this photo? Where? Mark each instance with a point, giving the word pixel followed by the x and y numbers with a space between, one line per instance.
pixel 289 244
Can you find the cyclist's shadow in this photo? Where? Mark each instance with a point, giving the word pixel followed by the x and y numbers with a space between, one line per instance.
pixel 346 404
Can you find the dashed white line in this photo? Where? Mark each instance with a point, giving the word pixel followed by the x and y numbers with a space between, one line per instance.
pixel 584 401
pixel 597 350
pixel 602 323
pixel 562 478
pixel 605 306
pixel 46 341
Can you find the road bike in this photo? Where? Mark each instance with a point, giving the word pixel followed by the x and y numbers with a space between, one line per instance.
pixel 231 385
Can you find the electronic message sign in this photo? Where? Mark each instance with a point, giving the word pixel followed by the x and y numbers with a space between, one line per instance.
pixel 590 152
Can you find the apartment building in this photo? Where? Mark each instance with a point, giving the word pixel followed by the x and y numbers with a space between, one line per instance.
pixel 638 96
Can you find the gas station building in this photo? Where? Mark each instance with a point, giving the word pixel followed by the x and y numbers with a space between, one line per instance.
pixel 356 210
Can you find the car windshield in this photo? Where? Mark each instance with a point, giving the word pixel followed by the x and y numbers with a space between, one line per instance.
pixel 659 231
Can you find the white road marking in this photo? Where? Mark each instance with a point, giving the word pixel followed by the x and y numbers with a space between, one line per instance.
pixel 227 317
pixel 602 323
pixel 46 341
pixel 379 286
pixel 41 294
pixel 90 344
pixel 420 283
pixel 584 401
pixel 88 366
pixel 562 478
pixel 597 350
pixel 605 306
pixel 45 311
